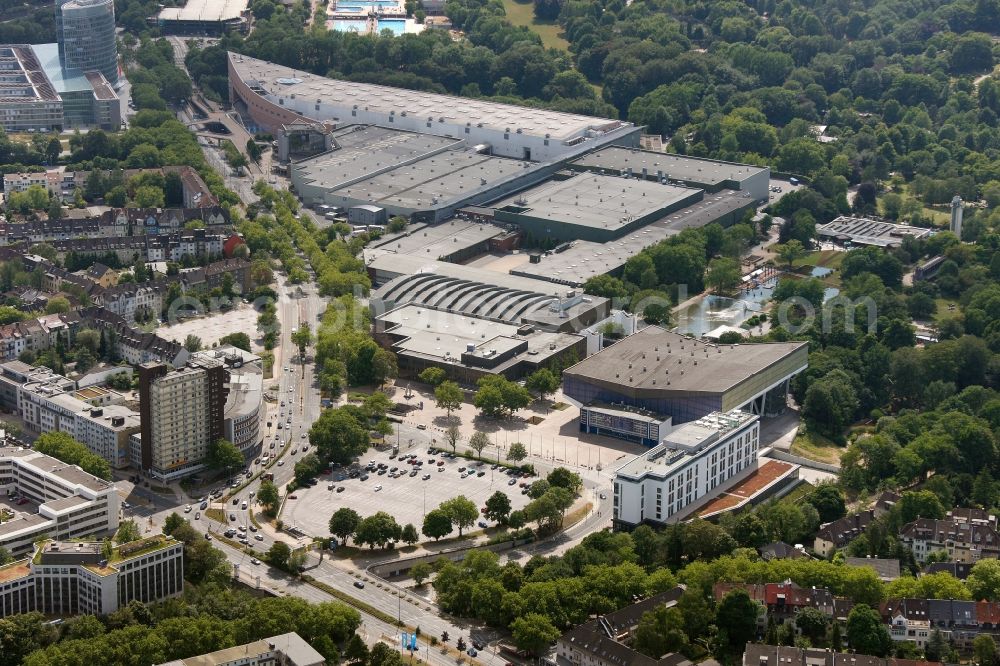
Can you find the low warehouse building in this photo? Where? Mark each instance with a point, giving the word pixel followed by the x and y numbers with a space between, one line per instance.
pixel 469 348
pixel 709 175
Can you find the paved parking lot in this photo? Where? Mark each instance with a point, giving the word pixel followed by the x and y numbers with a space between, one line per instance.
pixel 407 498
pixel 212 327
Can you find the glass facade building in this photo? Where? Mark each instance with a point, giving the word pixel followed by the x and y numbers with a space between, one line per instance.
pixel 86 35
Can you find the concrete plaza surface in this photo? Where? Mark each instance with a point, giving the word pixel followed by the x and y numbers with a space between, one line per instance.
pixel 406 498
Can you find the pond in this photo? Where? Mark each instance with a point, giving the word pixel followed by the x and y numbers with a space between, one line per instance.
pixel 713 311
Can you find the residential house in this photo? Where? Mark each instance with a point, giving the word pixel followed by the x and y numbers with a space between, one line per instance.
pixel 606 640
pixel 955 619
pixel 959 570
pixel 779 655
pixel 841 532
pixel 962 541
pixel 908 620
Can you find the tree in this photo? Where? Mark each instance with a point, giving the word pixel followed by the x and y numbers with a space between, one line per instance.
pixel 308 468
pixel 517 452
pixel 984 580
pixel 339 436
pixel 433 375
pixel 437 524
pixel 63 447
pixel 223 455
pixel 984 650
pixel 420 572
pixel 268 497
pixel 865 632
pixel 448 396
pixel 829 502
pixel 344 522
pixel 409 534
pixel 302 337
pixel 478 442
pixel 356 651
pixel 377 530
pixel 660 632
pixel 937 648
pixel 55 208
pixel 812 623
pixel 533 632
pixel 498 396
pixel 202 562
pixel 192 343
pixel 561 477
pixel 737 614
pixel 498 507
pixel 452 435
pixel 173 521
pixel 278 554
pixel 538 488
pixel 461 511
pixel 254 150
pixel 723 274
pixel 127 531
pixel 148 196
pixel 57 305
pixel 790 251
pixel 542 383
pixel 239 340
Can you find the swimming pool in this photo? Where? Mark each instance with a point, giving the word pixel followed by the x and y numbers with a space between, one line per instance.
pixel 397 26
pixel 364 5
pixel 343 25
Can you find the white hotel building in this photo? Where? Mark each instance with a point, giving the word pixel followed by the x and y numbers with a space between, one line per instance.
pixel 71 504
pixel 693 464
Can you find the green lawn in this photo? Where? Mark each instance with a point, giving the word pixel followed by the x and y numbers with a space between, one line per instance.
pixel 824 258
pixel 523 13
pixel 816 447
pixel 942 309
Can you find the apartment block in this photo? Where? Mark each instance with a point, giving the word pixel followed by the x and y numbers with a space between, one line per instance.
pixel 182 411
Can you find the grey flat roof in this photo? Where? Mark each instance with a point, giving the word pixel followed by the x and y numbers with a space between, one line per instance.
pixel 413 265
pixel 295 649
pixel 865 231
pixel 434 180
pixel 366 149
pixel 438 334
pixel 50 465
pixel 205 10
pixel 436 240
pixel 24 522
pixel 657 359
pixel 593 200
pixel 585 259
pixel 383 99
pixel 674 167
